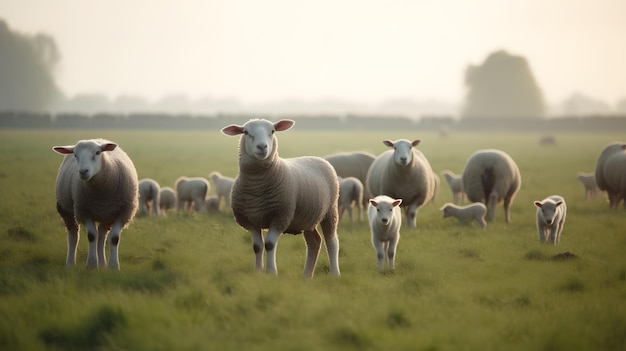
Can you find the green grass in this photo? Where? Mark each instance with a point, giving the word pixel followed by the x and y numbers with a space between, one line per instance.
pixel 188 282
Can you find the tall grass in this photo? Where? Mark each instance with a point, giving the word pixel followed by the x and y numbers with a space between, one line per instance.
pixel 187 282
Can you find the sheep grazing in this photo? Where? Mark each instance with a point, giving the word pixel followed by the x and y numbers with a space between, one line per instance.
pixel 149 191
pixel 167 200
pixel 466 214
pixel 212 204
pixel 492 177
pixel 455 182
pixel 551 213
pixel 353 164
pixel 191 193
pixel 97 183
pixel 385 218
pixel 223 186
pixel 611 173
pixel 283 195
pixel 403 173
pixel 589 183
pixel 350 195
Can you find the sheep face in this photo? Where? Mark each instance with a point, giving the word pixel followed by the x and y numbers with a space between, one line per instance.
pixel 446 212
pixel 384 210
pixel 88 154
pixel 548 210
pixel 403 150
pixel 258 134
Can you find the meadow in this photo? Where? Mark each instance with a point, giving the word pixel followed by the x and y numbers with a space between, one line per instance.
pixel 187 282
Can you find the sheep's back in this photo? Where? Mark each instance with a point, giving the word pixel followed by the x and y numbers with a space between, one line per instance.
pixel 490 170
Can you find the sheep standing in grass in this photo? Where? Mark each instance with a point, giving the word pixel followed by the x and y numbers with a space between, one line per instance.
pixel 492 177
pixel 611 173
pixel 149 191
pixel 350 195
pixel 167 200
pixel 551 213
pixel 403 173
pixel 353 164
pixel 191 192
pixel 385 218
pixel 97 183
pixel 223 186
pixel 589 183
pixel 455 182
pixel 283 195
pixel 466 214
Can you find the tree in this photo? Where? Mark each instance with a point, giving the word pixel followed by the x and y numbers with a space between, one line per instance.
pixel 504 87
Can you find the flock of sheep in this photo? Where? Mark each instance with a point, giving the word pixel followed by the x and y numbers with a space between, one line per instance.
pixel 97 184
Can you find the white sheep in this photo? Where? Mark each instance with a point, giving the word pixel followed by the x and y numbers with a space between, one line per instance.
pixel 551 213
pixel 403 173
pixel 466 214
pixel 167 200
pixel 222 185
pixel 385 219
pixel 283 195
pixel 353 164
pixel 97 183
pixel 611 173
pixel 212 204
pixel 350 195
pixel 455 182
pixel 589 183
pixel 492 177
pixel 191 192
pixel 149 191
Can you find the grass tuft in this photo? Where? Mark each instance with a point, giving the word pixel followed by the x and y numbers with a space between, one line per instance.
pixel 21 234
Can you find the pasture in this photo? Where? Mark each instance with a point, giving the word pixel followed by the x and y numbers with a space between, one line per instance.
pixel 187 282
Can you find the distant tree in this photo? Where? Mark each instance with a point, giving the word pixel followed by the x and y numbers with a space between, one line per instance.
pixel 27 64
pixel 621 106
pixel 504 87
pixel 581 105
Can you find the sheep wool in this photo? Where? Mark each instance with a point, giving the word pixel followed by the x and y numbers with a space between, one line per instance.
pixel 167 200
pixel 466 214
pixel 149 191
pixel 611 173
pixel 191 193
pixel 350 195
pixel 551 213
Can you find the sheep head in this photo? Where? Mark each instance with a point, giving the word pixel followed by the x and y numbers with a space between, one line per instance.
pixel 258 139
pixel 88 154
pixel 402 150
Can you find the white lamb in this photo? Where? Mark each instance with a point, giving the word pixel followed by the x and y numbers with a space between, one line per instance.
pixel 149 191
pixel 589 183
pixel 551 213
pixel 403 173
pixel 466 214
pixel 97 183
pixel 223 186
pixel 283 195
pixel 167 200
pixel 611 173
pixel 455 182
pixel 191 192
pixel 385 218
pixel 350 195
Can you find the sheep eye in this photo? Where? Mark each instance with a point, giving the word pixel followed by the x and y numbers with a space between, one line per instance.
pixel 245 132
pixel 98 152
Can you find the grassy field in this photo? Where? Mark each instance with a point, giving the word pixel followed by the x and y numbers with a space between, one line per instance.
pixel 187 282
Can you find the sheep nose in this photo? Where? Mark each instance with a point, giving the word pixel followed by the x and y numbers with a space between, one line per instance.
pixel 83 172
pixel 262 147
pixel 385 220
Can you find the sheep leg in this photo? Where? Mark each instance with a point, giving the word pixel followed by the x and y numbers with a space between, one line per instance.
pixel 411 214
pixel 313 241
pixel 329 227
pixel 92 236
pixel 102 235
pixel 541 232
pixel 114 240
pixel 257 246
pixel 380 253
pixel 350 213
pixel 271 240
pixel 72 243
pixel 391 253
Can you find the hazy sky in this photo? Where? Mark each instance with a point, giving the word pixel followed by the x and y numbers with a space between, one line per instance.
pixel 360 50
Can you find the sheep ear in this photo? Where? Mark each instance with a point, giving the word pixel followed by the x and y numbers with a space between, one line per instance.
pixel 559 203
pixel 283 124
pixel 108 147
pixel 64 150
pixel 538 204
pixel 624 146
pixel 416 142
pixel 373 202
pixel 397 202
pixel 232 130
pixel 388 143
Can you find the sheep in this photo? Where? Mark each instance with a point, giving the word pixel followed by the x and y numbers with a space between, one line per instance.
pixel 385 219
pixel 465 214
pixel 492 177
pixel 96 183
pixel 283 195
pixel 191 191
pixel 212 204
pixel 455 182
pixel 350 195
pixel 167 199
pixel 353 164
pixel 611 173
pixel 589 183
pixel 403 173
pixel 223 186
pixel 149 190
pixel 551 213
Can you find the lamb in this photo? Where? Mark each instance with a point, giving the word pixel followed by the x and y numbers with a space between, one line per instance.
pixel 611 173
pixel 403 173
pixel 211 204
pixel 551 213
pixel 466 214
pixel 455 182
pixel 385 219
pixel 353 164
pixel 589 183
pixel 350 195
pixel 283 195
pixel 223 186
pixel 191 192
pixel 96 183
pixel 149 190
pixel 167 200
pixel 492 177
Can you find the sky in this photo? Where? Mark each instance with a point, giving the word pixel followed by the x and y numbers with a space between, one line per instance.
pixel 365 51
